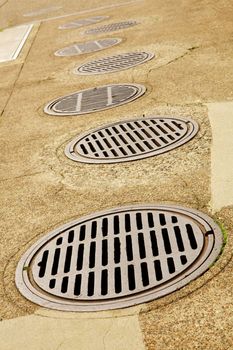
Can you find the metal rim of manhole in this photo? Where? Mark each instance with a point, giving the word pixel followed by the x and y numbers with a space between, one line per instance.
pixel 118 258
pixel 112 27
pixel 131 140
pixel 94 99
pixel 79 23
pixel 114 63
pixel 87 47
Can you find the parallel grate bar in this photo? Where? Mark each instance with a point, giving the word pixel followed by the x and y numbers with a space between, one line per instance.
pixel 117 254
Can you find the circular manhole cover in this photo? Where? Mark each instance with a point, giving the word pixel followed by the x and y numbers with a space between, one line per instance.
pixel 95 99
pixel 114 63
pixel 83 22
pixel 112 27
pixel 118 258
pixel 131 140
pixel 87 47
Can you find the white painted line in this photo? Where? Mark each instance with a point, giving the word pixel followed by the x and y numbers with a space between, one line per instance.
pixel 98 44
pixel 42 11
pixel 90 10
pixel 79 101
pixel 109 94
pixel 12 41
pixel 77 48
pixel 221 119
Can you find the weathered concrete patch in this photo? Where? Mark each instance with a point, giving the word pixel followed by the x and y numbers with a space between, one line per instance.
pixel 12 41
pixel 221 119
pixel 44 332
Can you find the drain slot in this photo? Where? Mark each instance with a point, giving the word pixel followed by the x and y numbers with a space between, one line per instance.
pixel 114 63
pixel 118 258
pixel 87 47
pixel 112 27
pixel 94 100
pixel 130 140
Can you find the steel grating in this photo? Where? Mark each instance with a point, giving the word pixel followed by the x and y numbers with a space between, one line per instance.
pixel 131 139
pixel 118 258
pixel 95 99
pixel 112 27
pixel 87 47
pixel 114 63
pixel 83 22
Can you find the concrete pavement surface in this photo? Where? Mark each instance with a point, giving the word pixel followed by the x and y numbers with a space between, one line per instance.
pixel 41 189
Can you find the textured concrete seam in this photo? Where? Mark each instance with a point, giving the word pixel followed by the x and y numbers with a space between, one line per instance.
pixel 221 119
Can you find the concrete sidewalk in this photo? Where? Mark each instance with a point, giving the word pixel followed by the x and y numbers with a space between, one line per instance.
pixel 41 189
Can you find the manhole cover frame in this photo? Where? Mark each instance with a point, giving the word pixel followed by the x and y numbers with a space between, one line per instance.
pixel 98 30
pixel 78 70
pixel 195 270
pixel 102 18
pixel 48 107
pixel 71 154
pixel 57 53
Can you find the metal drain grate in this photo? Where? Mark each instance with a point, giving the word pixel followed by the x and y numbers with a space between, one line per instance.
pixel 118 258
pixel 114 63
pixel 83 22
pixel 112 27
pixel 95 99
pixel 131 139
pixel 87 47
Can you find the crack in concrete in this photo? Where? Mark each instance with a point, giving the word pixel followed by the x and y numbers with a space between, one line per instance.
pixel 188 52
pixel 193 193
pixel 1 6
pixel 21 176
pixel 106 334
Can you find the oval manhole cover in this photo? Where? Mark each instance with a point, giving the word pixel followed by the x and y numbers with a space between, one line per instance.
pixel 112 27
pixel 114 63
pixel 95 99
pixel 131 140
pixel 87 47
pixel 83 22
pixel 118 258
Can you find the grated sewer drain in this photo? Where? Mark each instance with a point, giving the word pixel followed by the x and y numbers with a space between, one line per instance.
pixel 112 27
pixel 83 22
pixel 87 47
pixel 114 63
pixel 131 140
pixel 118 258
pixel 95 99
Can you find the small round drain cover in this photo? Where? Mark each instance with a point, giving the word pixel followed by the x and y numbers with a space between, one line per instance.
pixel 114 63
pixel 87 47
pixel 42 11
pixel 131 140
pixel 112 27
pixel 118 258
pixel 83 22
pixel 95 99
